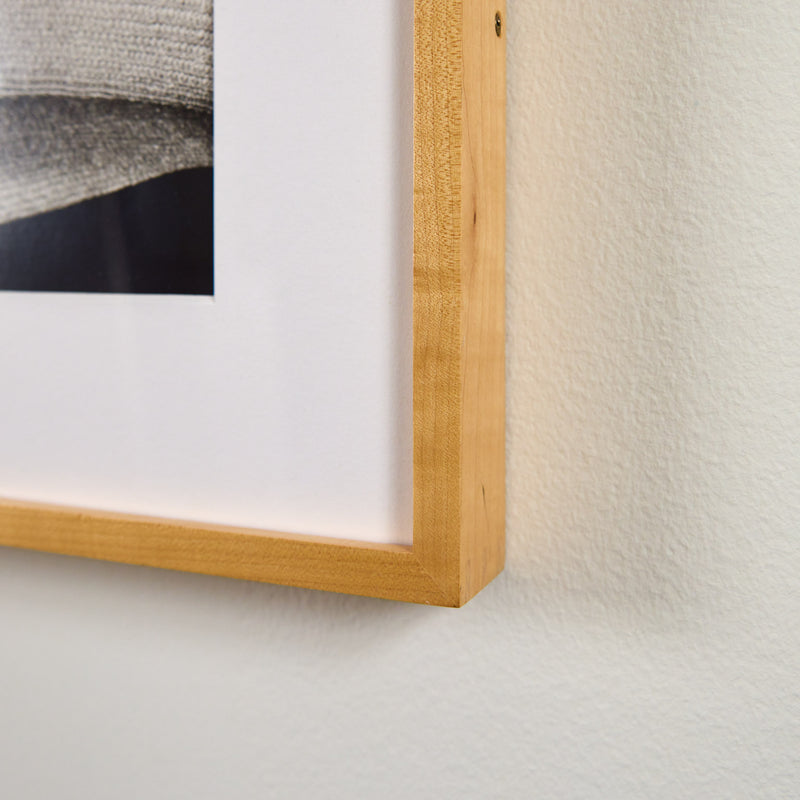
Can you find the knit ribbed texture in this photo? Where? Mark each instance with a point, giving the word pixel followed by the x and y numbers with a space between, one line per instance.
pixel 96 95
pixel 59 151
pixel 158 51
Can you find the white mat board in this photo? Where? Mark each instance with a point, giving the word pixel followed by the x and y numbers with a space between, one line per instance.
pixel 284 402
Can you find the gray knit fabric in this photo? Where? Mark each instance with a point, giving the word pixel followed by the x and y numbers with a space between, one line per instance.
pixel 157 51
pixel 96 95
pixel 100 146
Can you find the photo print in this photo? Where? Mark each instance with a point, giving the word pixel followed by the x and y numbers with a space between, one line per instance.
pixel 106 146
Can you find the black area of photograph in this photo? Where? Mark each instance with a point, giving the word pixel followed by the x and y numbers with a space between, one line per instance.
pixel 106 146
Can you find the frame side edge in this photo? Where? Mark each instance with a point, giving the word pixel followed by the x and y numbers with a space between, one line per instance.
pixel 483 280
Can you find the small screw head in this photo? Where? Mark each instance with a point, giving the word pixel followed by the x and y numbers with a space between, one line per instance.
pixel 498 24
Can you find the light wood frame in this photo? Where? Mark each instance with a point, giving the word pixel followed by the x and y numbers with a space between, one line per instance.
pixel 458 370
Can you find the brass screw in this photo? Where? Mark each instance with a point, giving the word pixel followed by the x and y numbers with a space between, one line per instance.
pixel 498 24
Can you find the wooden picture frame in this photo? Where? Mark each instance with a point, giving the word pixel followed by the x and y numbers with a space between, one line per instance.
pixel 458 367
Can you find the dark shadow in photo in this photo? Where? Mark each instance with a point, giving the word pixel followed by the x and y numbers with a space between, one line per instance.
pixel 152 238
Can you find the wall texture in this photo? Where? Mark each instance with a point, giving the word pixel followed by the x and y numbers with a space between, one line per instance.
pixel 644 641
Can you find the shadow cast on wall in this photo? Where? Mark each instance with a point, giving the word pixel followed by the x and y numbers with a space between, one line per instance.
pixel 637 150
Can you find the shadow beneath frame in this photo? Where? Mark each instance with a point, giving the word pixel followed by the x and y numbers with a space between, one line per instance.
pixel 105 602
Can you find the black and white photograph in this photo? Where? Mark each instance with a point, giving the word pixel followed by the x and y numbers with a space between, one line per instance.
pixel 106 146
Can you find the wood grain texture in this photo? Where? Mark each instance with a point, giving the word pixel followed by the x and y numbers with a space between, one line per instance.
pixel 459 294
pixel 389 571
pixel 483 295
pixel 459 479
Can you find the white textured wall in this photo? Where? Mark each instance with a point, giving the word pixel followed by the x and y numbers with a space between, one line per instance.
pixel 645 639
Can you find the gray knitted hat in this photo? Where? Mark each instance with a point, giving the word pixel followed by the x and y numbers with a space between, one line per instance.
pixel 96 95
